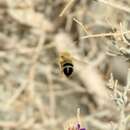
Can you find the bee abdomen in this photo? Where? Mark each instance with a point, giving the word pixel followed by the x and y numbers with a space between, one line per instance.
pixel 67 64
pixel 68 69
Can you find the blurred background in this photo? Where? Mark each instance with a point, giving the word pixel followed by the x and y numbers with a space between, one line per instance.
pixel 34 95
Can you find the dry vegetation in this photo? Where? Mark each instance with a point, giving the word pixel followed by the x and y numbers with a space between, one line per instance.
pixel 33 93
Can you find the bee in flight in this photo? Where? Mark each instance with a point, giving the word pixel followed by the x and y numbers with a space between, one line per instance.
pixel 66 63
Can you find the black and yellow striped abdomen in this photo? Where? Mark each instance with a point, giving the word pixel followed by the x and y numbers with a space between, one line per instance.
pixel 66 64
pixel 68 69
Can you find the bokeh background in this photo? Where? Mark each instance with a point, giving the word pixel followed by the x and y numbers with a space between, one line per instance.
pixel 34 94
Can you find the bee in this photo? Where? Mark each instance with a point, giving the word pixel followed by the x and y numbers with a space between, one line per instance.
pixel 66 63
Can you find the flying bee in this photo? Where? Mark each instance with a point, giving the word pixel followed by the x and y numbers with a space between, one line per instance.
pixel 67 61
pixel 66 64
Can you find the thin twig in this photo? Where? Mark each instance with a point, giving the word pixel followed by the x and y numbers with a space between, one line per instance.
pixel 105 34
pixel 51 95
pixel 82 26
pixel 115 5
pixel 66 8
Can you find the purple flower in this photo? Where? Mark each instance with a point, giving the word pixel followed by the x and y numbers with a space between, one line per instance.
pixel 78 127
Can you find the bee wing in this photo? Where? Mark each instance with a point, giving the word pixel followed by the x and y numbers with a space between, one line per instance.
pixel 78 64
pixel 81 61
pixel 93 63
